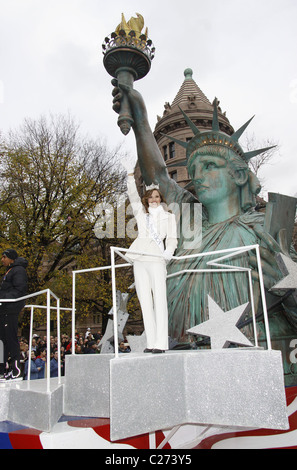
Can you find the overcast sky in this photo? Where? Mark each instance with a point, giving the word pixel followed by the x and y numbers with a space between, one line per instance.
pixel 242 51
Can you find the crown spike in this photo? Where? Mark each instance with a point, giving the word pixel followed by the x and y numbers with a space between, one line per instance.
pixel 190 123
pixel 248 155
pixel 215 120
pixel 241 130
pixel 179 142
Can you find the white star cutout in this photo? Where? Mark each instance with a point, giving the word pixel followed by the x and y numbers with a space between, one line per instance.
pixel 137 343
pixel 221 326
pixel 289 269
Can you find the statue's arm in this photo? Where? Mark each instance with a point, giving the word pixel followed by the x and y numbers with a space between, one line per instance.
pixel 150 159
pixel 151 162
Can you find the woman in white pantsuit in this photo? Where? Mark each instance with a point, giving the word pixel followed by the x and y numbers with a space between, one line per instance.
pixel 155 225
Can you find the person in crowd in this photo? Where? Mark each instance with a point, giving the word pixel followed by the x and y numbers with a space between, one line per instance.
pixel 53 346
pixel 34 368
pixel 40 363
pixel 63 354
pixel 54 365
pixel 65 341
pixel 78 349
pixel 124 348
pixel 97 336
pixel 34 344
pixel 91 348
pixel 24 347
pixel 81 344
pixel 14 285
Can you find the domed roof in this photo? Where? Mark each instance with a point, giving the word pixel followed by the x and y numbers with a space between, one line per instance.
pixel 191 99
pixel 190 90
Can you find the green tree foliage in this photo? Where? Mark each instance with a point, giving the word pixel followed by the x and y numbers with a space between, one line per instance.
pixel 51 182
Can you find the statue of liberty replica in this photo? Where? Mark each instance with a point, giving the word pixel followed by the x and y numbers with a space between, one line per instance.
pixel 226 188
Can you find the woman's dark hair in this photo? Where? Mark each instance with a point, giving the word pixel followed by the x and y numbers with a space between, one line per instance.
pixel 148 194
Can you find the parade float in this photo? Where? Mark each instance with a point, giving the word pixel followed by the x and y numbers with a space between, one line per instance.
pixel 228 393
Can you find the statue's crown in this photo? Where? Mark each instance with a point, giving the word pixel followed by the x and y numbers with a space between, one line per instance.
pixel 214 137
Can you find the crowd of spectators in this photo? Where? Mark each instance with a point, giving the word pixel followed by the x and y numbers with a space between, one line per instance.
pixel 85 343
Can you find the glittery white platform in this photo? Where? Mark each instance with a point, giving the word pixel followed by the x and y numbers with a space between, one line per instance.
pixel 31 403
pixel 143 393
pixel 230 387
pixel 87 387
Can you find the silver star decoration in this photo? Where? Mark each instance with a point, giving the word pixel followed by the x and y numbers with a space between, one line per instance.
pixel 107 342
pixel 137 343
pixel 289 269
pixel 221 326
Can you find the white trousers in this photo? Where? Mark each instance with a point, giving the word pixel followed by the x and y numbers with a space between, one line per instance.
pixel 150 283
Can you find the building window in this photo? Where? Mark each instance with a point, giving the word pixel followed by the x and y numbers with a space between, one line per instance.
pixel 171 150
pixel 97 318
pixel 165 152
pixel 173 175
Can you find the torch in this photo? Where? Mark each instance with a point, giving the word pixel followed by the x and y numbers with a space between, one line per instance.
pixel 127 57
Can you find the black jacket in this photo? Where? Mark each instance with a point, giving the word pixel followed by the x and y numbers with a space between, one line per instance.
pixel 14 284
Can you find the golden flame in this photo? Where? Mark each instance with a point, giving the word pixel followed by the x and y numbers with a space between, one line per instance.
pixel 134 24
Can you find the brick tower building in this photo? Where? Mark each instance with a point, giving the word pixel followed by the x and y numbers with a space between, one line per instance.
pixel 200 110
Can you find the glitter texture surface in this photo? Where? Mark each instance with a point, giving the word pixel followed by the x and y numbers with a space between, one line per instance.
pixel 31 404
pixel 233 387
pixel 86 389
pixel 4 400
pixel 143 393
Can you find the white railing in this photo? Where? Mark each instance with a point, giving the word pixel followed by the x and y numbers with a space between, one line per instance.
pixel 32 307
pixel 215 267
pixel 82 271
pixel 48 307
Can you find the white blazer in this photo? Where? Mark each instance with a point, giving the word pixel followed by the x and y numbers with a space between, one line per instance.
pixel 164 224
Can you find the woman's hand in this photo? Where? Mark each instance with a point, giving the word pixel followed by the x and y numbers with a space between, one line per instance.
pixel 167 255
pixel 128 166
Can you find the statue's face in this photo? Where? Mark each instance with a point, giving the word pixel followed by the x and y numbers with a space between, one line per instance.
pixel 212 179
